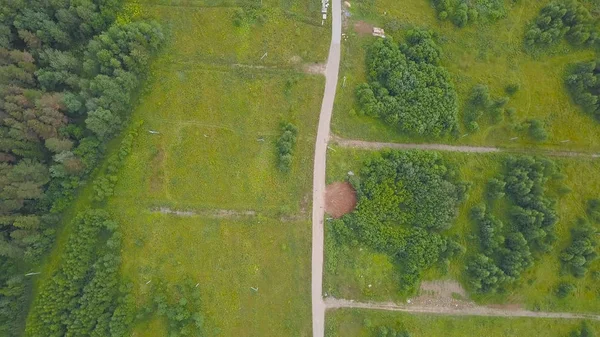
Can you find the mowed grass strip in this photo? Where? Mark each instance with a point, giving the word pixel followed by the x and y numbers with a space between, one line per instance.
pixel 490 54
pixel 365 323
pixel 356 267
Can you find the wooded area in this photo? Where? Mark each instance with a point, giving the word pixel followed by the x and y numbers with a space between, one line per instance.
pixel 408 87
pixel 67 76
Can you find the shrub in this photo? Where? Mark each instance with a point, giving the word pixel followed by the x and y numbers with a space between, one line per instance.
pixel 285 147
pixel 578 256
pixel 564 289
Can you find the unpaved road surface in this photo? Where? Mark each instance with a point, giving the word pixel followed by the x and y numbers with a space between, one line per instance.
pixel 468 310
pixel 331 79
pixel 361 144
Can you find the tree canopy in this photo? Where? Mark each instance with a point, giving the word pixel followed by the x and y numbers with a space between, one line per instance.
pixel 408 88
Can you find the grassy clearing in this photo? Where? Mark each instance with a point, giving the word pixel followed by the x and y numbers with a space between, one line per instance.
pixel 357 267
pixel 207 35
pixel 351 323
pixel 491 54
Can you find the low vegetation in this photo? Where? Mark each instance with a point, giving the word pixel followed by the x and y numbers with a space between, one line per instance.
pixel 461 13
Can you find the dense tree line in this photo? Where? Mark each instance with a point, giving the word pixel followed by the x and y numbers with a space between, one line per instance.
pixel 506 251
pixel 408 88
pixel 285 146
pixel 563 18
pixel 67 75
pixel 82 295
pixel 584 87
pixel 404 200
pixel 462 12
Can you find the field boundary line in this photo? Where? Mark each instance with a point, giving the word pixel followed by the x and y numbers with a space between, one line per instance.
pixel 367 145
pixel 333 303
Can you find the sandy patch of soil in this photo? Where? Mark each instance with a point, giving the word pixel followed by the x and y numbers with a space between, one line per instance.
pixel 363 28
pixel 340 199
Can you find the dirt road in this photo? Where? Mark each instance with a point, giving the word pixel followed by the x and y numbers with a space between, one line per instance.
pixel 361 144
pixel 332 303
pixel 331 78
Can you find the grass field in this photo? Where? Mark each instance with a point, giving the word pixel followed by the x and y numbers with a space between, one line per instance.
pixel 362 323
pixel 217 110
pixel 490 54
pixel 357 267
pixel 215 156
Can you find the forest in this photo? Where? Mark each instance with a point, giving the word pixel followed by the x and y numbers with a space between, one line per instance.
pixel 404 200
pixel 408 88
pixel 68 75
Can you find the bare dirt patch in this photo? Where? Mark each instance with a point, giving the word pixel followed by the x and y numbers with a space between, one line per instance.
pixel 340 199
pixel 315 68
pixel 363 28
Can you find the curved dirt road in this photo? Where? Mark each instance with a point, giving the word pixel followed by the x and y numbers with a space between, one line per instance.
pixel 331 79
pixel 332 303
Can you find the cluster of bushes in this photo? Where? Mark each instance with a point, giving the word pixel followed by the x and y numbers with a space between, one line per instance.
pixel 404 200
pixel 104 184
pixel 462 12
pixel 583 86
pixel 481 103
pixel 585 330
pixel 384 331
pixel 82 297
pixel 285 147
pixel 506 251
pixel 179 305
pixel 581 252
pixel 563 18
pixel 67 76
pixel 408 88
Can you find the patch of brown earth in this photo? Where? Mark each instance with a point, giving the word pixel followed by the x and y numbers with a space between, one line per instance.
pixel 340 199
pixel 363 28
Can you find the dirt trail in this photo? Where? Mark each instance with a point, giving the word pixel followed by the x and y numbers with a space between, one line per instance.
pixel 456 310
pixel 361 144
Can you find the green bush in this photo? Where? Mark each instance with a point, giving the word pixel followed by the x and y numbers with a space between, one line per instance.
pixel 285 147
pixel 581 252
pixel 564 289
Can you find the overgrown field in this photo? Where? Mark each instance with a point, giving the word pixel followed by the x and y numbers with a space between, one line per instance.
pixel 203 209
pixel 492 54
pixel 350 269
pixel 363 323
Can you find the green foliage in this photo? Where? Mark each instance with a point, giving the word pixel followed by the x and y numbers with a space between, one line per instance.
pixel 512 88
pixel 584 331
pixel 81 296
pixel 536 130
pixel 12 297
pixel 480 103
pixel 285 147
pixel 506 251
pixel 384 331
pixel 578 256
pixel 250 14
pixel 564 289
pixel 583 86
pixel 408 88
pixel 593 210
pixel 404 198
pixel 179 304
pixel 560 18
pixel 462 12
